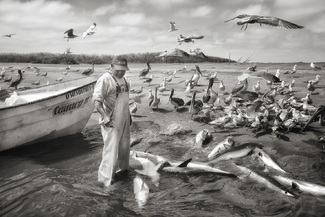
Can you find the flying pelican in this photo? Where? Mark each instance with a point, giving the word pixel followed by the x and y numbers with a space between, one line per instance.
pixel 314 66
pixel 172 27
pixel 90 30
pixel 144 72
pixel 189 38
pixel 272 21
pixel 87 72
pixel 70 34
pixel 9 35
pixel 16 82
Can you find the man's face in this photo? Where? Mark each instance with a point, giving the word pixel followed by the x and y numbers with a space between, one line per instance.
pixel 118 73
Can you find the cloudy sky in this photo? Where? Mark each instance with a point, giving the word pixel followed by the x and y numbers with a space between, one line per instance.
pixel 136 26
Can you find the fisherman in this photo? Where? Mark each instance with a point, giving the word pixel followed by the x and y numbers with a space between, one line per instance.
pixel 111 99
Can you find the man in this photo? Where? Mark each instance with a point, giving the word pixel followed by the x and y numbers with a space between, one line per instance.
pixel 111 99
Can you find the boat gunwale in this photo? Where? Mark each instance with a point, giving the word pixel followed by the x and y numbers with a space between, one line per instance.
pixel 49 97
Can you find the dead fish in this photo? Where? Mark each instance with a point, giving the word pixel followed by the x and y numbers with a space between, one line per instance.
pixel 141 191
pixel 221 147
pixel 135 141
pixel 202 137
pixel 267 159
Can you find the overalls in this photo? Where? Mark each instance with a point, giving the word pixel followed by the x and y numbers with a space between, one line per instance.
pixel 116 150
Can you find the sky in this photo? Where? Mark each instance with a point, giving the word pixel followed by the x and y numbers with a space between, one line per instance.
pixel 139 26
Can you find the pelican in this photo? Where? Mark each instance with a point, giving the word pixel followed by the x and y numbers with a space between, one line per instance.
pixel 148 80
pixel 150 97
pixel 272 21
pixel 87 72
pixel 197 75
pixel 16 82
pixel 314 66
pixel 188 39
pixel 70 34
pixel 195 106
pixel 144 72
pixel 210 96
pixel 176 102
pixel 9 35
pixel 155 101
pixel 90 30
pixel 172 26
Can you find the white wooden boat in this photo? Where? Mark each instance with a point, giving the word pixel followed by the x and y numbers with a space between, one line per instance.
pixel 47 112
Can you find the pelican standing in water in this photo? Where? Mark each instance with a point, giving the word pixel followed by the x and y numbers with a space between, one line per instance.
pixel 144 72
pixel 88 72
pixel 271 21
pixel 70 34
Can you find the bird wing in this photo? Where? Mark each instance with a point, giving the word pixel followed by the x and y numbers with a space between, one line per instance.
pixel 274 21
pixel 196 37
pixel 69 32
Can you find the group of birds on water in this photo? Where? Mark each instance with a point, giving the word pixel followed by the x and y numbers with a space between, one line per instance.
pixel 277 110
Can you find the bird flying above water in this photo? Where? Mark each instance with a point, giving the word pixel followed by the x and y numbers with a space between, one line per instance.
pixel 267 20
pixel 9 35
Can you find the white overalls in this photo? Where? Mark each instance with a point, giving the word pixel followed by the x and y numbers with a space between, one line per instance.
pixel 114 93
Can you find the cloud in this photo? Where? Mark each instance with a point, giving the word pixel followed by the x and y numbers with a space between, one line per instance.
pixel 103 10
pixel 201 11
pixel 128 19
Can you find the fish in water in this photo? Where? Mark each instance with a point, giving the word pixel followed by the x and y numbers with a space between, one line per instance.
pixel 267 159
pixel 141 191
pixel 311 188
pixel 266 180
pixel 221 147
pixel 202 138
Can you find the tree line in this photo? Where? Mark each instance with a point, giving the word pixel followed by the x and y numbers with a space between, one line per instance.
pixel 50 58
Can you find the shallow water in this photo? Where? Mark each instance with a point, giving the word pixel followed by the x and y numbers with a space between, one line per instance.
pixel 59 178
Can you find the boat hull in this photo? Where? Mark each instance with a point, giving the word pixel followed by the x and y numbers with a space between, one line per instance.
pixel 65 110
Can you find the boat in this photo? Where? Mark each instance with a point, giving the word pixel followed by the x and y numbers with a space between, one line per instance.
pixel 46 113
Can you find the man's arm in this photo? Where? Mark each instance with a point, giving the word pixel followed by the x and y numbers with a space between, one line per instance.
pixel 107 120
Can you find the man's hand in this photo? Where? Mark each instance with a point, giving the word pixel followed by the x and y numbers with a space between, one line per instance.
pixel 108 122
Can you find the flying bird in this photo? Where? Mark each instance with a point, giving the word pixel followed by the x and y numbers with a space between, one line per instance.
pixel 67 51
pixel 9 35
pixel 70 34
pixel 272 21
pixel 90 30
pixel 189 38
pixel 172 27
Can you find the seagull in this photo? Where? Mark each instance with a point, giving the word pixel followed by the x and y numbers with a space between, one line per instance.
pixel 314 66
pixel 70 34
pixel 87 72
pixel 36 82
pixel 277 73
pixel 314 81
pixel 172 27
pixel 148 80
pixel 272 21
pixel 90 30
pixel 9 35
pixel 44 74
pixel 59 79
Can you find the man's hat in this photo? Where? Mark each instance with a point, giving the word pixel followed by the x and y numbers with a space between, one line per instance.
pixel 120 63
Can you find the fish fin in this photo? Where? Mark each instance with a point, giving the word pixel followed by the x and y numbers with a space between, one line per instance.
pixel 161 165
pixel 184 164
pixel 295 186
